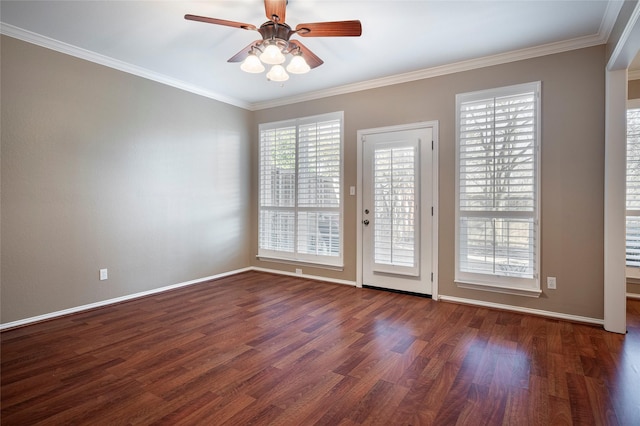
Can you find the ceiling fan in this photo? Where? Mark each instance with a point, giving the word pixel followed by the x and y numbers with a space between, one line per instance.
pixel 276 41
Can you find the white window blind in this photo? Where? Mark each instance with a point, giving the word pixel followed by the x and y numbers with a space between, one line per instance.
pixel 633 188
pixel 497 219
pixel 300 190
pixel 394 179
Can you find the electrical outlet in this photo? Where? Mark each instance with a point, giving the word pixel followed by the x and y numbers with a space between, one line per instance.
pixel 298 271
pixel 104 274
pixel 551 283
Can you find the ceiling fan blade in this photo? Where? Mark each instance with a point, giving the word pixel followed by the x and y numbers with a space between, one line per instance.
pixel 275 8
pixel 241 55
pixel 220 22
pixel 310 58
pixel 330 29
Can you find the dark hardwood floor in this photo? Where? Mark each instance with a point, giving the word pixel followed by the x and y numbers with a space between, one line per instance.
pixel 257 348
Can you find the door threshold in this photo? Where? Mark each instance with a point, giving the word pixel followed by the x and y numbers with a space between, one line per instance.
pixel 392 290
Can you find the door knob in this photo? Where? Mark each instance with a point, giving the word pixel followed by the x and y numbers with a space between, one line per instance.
pixel 366 211
pixel 366 222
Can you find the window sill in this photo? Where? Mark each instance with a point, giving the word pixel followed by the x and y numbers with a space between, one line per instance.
pixel 301 263
pixel 518 291
pixel 633 273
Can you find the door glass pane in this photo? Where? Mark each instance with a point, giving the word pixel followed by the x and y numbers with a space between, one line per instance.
pixel 394 206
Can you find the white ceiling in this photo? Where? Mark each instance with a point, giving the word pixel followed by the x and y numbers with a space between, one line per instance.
pixel 401 39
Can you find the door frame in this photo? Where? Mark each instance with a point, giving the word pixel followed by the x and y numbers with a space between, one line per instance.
pixel 434 182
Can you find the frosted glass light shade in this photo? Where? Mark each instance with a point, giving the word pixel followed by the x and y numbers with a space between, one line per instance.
pixel 272 55
pixel 298 65
pixel 252 64
pixel 277 73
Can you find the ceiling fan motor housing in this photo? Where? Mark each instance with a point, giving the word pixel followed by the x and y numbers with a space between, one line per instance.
pixel 273 31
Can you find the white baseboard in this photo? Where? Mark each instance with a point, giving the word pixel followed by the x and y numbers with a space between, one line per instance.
pixel 633 296
pixel 102 303
pixel 311 277
pixel 453 299
pixel 530 311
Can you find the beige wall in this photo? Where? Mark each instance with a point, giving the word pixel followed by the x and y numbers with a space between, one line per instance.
pixel 572 168
pixel 102 169
pixel 634 89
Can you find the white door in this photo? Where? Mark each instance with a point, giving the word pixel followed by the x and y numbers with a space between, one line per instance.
pixel 397 210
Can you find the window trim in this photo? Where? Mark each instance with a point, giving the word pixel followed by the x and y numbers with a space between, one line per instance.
pixel 490 282
pixel 326 262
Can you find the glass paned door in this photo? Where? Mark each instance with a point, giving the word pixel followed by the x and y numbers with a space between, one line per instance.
pixel 396 215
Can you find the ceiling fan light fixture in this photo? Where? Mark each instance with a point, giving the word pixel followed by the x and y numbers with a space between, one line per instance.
pixel 272 55
pixel 298 65
pixel 276 45
pixel 252 64
pixel 277 73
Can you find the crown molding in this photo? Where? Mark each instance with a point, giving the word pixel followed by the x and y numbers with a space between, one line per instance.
pixel 606 26
pixel 609 19
pixel 626 47
pixel 78 52
pixel 487 61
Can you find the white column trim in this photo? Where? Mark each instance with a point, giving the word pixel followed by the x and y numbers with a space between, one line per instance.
pixel 614 201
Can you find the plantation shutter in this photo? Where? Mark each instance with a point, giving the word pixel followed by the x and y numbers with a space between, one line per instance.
pixel 319 188
pixel 277 188
pixel 395 199
pixel 497 214
pixel 633 189
pixel 300 190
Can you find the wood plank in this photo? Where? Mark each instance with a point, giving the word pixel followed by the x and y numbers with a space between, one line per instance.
pixel 258 348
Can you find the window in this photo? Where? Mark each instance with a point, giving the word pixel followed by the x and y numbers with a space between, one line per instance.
pixel 394 198
pixel 497 189
pixel 300 201
pixel 633 193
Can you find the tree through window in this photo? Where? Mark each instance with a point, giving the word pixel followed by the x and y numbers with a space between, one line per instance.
pixel 497 187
